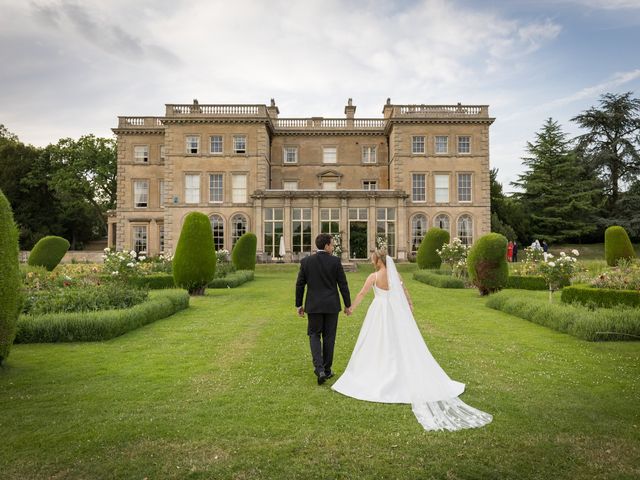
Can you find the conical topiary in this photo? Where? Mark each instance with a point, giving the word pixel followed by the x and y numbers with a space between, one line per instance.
pixel 487 263
pixel 434 239
pixel 243 255
pixel 194 263
pixel 10 280
pixel 48 252
pixel 617 245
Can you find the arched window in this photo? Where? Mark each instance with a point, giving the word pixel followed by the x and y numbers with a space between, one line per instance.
pixel 217 228
pixel 442 221
pixel 418 229
pixel 238 228
pixel 465 229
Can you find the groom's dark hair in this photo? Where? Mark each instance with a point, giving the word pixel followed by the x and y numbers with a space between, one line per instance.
pixel 322 240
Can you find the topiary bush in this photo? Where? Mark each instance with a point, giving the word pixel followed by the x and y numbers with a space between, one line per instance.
pixel 617 245
pixel 194 263
pixel 427 256
pixel 526 282
pixel 487 263
pixel 243 255
pixel 600 297
pixel 48 252
pixel 10 278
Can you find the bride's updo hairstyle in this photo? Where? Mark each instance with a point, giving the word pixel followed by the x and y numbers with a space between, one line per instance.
pixel 381 254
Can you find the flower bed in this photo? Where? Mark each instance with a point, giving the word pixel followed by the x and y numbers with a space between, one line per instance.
pixel 100 325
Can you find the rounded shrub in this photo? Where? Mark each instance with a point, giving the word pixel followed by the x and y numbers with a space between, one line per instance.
pixel 194 263
pixel 427 256
pixel 243 255
pixel 487 263
pixel 617 245
pixel 48 252
pixel 10 278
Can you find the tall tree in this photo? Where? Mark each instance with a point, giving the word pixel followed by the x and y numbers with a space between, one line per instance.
pixel 503 210
pixel 612 142
pixel 557 189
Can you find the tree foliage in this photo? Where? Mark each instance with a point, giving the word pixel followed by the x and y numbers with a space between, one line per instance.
pixel 557 188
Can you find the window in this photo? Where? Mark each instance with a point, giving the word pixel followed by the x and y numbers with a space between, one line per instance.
pixel 192 188
pixel 290 185
pixel 442 221
pixel 163 153
pixel 442 144
pixel 141 193
pixel 217 229
pixel 193 144
pixel 330 220
pixel 464 144
pixel 386 228
pixel 273 230
pixel 140 238
pixel 418 229
pixel 369 155
pixel 161 193
pixel 465 229
pixel 442 188
pixel 161 237
pixel 239 188
pixel 369 184
pixel 301 223
pixel 417 144
pixel 290 154
pixel 464 187
pixel 141 153
pixel 239 144
pixel 215 187
pixel 419 188
pixel 215 143
pixel 238 228
pixel 360 214
pixel 329 155
pixel 329 185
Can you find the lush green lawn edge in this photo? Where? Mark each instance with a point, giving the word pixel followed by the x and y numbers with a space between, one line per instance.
pixel 100 325
pixel 592 325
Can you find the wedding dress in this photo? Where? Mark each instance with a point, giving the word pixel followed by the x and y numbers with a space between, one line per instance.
pixel 392 364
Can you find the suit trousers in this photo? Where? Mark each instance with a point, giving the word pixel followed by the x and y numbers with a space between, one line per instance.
pixel 322 338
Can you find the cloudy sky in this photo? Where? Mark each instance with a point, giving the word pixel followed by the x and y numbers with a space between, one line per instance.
pixel 71 67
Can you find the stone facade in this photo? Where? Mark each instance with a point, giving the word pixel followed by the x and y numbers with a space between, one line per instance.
pixel 249 170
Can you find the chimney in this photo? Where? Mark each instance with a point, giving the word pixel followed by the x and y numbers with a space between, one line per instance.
pixel 387 110
pixel 350 109
pixel 273 110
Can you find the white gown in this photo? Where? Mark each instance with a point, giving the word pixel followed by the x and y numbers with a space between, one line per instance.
pixel 392 364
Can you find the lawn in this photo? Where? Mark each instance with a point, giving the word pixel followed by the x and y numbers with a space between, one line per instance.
pixel 225 390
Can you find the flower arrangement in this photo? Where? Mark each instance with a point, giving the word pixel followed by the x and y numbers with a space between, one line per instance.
pixel 624 276
pixel 337 244
pixel 121 265
pixel 381 242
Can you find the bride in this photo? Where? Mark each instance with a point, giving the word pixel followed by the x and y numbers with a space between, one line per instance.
pixel 391 363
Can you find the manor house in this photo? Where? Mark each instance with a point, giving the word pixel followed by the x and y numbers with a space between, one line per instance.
pixel 250 170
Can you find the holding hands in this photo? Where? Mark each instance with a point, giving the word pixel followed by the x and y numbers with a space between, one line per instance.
pixel 348 311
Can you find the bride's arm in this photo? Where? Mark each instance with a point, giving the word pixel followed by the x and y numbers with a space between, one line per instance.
pixel 365 289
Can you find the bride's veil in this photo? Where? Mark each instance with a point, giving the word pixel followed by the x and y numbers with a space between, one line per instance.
pixel 395 286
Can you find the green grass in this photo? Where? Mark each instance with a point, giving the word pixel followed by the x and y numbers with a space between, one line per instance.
pixel 591 251
pixel 225 390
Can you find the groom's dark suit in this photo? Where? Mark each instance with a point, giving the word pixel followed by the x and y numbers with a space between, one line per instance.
pixel 322 273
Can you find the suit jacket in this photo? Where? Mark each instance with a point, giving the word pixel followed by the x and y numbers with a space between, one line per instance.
pixel 322 273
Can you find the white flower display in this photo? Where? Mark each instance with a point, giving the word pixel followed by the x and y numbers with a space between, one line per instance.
pixel 575 252
pixel 552 264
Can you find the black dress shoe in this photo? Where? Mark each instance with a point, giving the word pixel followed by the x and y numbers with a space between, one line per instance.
pixel 329 374
pixel 322 377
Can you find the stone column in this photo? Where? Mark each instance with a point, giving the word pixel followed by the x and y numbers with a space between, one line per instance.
pixel 286 229
pixel 315 221
pixel 344 226
pixel 371 230
pixel 401 229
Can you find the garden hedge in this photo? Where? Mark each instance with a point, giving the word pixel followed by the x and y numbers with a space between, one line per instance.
pixel 48 252
pixel 10 278
pixel 194 263
pixel 243 255
pixel 101 325
pixel 427 257
pixel 437 278
pixel 153 281
pixel 600 297
pixel 617 245
pixel 526 282
pixel 487 263
pixel 232 280
pixel 603 324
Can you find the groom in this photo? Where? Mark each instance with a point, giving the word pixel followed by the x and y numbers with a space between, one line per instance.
pixel 321 273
